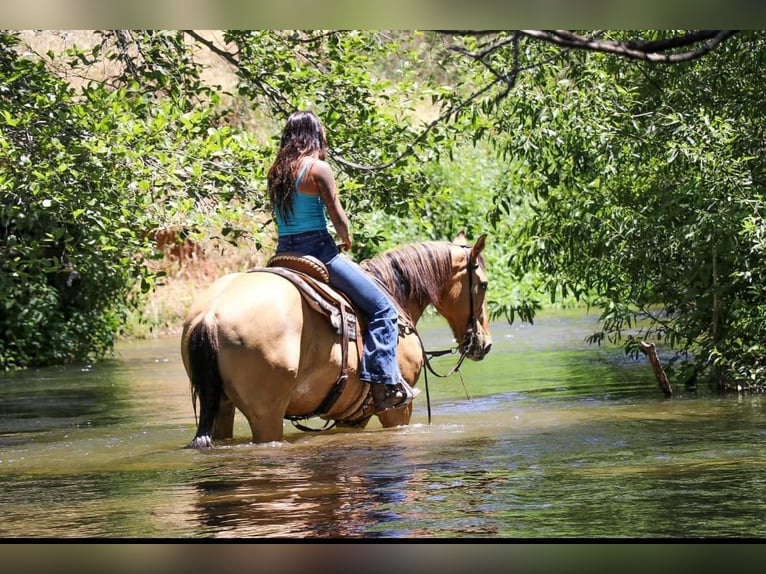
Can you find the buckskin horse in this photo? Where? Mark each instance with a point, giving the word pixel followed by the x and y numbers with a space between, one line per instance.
pixel 252 342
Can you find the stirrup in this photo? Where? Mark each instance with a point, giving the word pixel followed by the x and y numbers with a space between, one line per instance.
pixel 392 396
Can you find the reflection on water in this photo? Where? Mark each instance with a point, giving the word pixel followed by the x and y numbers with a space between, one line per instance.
pixel 557 439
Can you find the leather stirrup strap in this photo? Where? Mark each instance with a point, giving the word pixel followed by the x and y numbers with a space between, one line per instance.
pixel 340 383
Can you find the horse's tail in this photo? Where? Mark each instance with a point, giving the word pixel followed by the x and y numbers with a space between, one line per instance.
pixel 205 377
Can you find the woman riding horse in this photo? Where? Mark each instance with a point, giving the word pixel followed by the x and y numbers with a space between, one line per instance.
pixel 252 342
pixel 302 189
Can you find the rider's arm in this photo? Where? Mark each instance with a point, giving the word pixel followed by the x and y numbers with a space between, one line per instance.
pixel 323 178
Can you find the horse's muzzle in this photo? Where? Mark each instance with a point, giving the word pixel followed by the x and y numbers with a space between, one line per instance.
pixel 474 346
pixel 480 352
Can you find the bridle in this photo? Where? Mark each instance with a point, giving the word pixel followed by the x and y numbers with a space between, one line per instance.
pixel 470 334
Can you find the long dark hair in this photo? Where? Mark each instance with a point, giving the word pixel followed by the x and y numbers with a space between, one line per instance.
pixel 302 136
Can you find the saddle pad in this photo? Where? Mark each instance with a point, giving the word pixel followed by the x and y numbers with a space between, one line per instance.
pixel 321 297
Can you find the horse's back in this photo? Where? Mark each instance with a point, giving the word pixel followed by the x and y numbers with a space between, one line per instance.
pixel 248 306
pixel 262 312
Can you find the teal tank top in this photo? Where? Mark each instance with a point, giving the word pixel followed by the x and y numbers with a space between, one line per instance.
pixel 308 212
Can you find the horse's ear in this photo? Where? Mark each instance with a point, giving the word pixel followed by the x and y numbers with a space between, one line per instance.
pixel 460 239
pixel 478 247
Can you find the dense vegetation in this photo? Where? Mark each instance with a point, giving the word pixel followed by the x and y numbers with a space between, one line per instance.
pixel 87 176
pixel 627 180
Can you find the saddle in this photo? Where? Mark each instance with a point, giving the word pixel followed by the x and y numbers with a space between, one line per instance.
pixel 311 278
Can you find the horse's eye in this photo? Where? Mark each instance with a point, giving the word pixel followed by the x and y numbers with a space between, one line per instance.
pixel 483 285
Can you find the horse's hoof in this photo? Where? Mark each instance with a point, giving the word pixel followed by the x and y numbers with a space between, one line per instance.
pixel 201 442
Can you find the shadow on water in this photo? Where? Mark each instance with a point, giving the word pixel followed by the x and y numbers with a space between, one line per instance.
pixel 558 439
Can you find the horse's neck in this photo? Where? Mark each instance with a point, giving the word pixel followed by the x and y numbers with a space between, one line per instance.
pixel 413 312
pixel 411 309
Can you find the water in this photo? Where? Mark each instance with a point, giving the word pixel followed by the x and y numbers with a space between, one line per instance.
pixel 558 439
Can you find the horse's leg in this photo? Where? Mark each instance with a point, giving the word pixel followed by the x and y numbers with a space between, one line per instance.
pixel 359 424
pixel 224 420
pixel 259 388
pixel 265 411
pixel 410 356
pixel 266 428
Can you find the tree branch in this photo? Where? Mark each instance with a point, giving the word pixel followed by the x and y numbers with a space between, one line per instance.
pixel 651 51
pixel 421 136
pixel 650 350
pixel 280 102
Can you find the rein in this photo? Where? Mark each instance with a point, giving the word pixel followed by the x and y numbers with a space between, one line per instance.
pixel 427 355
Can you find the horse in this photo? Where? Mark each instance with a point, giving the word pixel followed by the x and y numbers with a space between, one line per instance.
pixel 252 343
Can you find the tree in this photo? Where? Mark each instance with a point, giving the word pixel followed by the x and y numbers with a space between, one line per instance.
pixel 66 233
pixel 646 188
pixel 86 177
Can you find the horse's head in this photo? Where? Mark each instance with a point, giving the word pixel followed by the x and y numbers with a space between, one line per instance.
pixel 463 301
pixel 451 276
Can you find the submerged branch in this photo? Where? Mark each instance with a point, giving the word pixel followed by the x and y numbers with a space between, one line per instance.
pixel 650 350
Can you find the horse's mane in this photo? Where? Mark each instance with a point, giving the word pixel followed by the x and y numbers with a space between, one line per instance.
pixel 414 272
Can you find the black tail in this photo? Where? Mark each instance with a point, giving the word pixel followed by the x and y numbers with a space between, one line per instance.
pixel 206 382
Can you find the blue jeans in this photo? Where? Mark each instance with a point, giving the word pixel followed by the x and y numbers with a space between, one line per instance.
pixel 382 334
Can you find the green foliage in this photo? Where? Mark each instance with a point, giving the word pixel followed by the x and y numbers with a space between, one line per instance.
pixel 86 179
pixel 646 186
pixel 365 103
pixel 460 198
pixel 68 237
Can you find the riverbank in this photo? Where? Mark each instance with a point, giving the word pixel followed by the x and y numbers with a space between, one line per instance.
pixel 187 273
